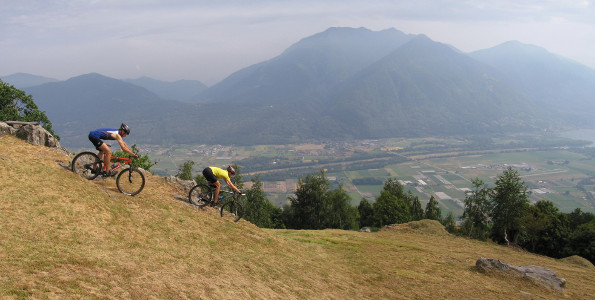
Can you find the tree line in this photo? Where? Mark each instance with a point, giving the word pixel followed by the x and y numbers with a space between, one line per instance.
pixel 501 213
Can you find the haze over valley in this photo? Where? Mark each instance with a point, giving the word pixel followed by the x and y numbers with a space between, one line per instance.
pixel 342 83
pixel 340 86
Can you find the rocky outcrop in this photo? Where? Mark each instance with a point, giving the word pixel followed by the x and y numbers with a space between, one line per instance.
pixel 31 132
pixel 186 184
pixel 539 275
pixel 6 129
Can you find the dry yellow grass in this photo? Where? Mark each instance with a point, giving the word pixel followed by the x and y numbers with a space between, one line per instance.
pixel 62 236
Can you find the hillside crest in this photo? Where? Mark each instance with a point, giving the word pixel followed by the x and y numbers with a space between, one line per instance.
pixel 63 236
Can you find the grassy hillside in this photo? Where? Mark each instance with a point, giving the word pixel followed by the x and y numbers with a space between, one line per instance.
pixel 64 237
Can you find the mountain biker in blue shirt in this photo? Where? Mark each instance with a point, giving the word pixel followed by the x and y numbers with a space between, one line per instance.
pixel 105 152
pixel 213 174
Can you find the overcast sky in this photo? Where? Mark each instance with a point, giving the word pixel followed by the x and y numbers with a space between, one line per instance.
pixel 208 40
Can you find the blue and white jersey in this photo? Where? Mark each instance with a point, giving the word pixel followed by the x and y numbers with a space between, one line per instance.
pixel 103 133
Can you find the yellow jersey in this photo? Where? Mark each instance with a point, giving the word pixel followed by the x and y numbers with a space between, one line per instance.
pixel 220 173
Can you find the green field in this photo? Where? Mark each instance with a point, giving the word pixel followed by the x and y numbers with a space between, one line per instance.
pixel 552 172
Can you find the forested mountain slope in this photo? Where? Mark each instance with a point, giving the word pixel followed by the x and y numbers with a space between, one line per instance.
pixel 340 84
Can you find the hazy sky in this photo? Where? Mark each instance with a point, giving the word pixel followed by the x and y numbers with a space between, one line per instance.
pixel 208 40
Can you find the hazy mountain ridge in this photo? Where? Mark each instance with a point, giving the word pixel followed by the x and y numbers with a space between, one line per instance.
pixel 423 85
pixel 91 101
pixel 24 80
pixel 547 79
pixel 308 68
pixel 346 83
pixel 181 90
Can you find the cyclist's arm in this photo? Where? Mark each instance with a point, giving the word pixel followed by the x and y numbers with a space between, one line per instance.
pixel 123 145
pixel 230 184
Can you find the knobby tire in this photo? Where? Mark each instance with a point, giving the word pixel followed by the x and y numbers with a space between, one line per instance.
pixel 87 164
pixel 200 195
pixel 130 181
pixel 232 210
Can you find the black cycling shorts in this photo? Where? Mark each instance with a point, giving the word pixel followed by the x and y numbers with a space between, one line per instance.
pixel 208 174
pixel 96 142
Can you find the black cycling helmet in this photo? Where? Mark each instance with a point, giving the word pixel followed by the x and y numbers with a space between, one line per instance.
pixel 125 128
pixel 231 170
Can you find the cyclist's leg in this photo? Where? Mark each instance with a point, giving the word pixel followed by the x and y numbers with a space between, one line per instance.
pixel 217 185
pixel 98 144
pixel 210 177
pixel 107 155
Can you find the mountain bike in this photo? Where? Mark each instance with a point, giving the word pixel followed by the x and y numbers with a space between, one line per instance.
pixel 130 181
pixel 202 195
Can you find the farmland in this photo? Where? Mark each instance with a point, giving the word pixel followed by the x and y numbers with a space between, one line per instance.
pixel 553 168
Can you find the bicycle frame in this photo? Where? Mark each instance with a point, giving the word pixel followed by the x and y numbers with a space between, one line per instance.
pixel 130 181
pixel 120 161
pixel 228 200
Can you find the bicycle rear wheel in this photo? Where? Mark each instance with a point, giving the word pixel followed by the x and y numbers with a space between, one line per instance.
pixel 87 164
pixel 232 210
pixel 130 181
pixel 200 195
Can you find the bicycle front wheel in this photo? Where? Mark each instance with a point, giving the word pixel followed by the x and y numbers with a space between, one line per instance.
pixel 130 181
pixel 87 164
pixel 200 195
pixel 232 210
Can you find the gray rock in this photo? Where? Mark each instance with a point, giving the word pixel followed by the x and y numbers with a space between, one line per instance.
pixel 6 129
pixel 539 275
pixel 187 184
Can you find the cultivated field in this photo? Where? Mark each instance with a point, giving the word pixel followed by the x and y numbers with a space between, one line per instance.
pixel 555 173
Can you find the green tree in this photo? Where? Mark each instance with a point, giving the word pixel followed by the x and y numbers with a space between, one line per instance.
pixel 577 217
pixel 185 170
pixel 582 241
pixel 433 211
pixel 393 187
pixel 366 213
pixel 476 216
pixel 390 209
pixel 143 161
pixel 582 237
pixel 545 229
pixel 15 105
pixel 259 210
pixel 306 210
pixel 316 206
pixel 338 212
pixel 449 222
pixel 417 212
pixel 509 205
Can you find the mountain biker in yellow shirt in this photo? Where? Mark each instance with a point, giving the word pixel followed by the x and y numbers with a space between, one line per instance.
pixel 213 174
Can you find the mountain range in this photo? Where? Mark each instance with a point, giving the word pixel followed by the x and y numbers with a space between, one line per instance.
pixel 342 83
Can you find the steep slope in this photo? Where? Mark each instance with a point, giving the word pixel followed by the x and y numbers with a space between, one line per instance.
pixel 549 80
pixel 427 88
pixel 64 237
